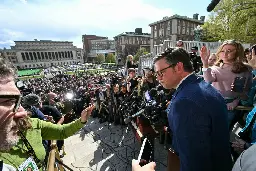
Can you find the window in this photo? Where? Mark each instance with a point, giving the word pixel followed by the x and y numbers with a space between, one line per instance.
pixel 183 30
pixel 179 30
pixel 168 28
pixel 191 31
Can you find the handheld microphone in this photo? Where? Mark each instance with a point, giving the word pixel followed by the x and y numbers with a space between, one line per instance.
pixel 127 120
pixel 212 5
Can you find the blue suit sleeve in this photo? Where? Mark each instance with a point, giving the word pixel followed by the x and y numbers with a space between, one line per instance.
pixel 193 136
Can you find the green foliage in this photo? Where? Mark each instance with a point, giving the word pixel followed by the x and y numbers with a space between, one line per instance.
pixel 100 58
pixel 140 52
pixel 110 58
pixel 234 19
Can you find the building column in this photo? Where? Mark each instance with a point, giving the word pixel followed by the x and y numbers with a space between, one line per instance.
pixel 38 56
pixel 35 56
pixel 30 56
pixel 71 54
pixel 52 55
pixel 68 54
pixel 23 56
pixel 42 55
pixel 46 56
pixel 56 55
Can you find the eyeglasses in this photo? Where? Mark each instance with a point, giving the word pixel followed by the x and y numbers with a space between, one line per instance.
pixel 12 100
pixel 162 71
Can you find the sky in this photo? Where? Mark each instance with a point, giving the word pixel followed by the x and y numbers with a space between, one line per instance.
pixel 68 20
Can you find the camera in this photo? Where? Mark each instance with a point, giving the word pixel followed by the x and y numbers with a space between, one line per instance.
pixel 196 61
pixel 155 106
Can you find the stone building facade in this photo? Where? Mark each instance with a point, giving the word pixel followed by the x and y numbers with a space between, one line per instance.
pixel 43 53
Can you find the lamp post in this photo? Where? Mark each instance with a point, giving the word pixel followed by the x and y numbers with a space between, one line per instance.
pixel 198 33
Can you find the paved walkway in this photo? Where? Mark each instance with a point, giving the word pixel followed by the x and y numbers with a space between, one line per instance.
pixel 102 147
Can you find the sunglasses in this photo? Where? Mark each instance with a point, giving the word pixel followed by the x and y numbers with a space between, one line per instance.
pixel 17 99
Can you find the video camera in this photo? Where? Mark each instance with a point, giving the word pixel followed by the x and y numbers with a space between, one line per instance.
pixel 195 59
pixel 153 107
pixel 156 103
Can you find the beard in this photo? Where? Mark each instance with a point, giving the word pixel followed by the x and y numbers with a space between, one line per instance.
pixel 8 135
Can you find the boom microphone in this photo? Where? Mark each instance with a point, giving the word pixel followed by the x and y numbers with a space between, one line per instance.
pixel 127 120
pixel 212 5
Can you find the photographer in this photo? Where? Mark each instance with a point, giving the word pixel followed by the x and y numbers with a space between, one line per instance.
pixel 148 80
pixel 132 81
pixel 196 60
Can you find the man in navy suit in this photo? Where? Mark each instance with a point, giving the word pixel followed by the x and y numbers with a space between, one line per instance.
pixel 197 115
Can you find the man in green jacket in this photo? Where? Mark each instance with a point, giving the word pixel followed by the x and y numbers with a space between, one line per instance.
pixel 20 136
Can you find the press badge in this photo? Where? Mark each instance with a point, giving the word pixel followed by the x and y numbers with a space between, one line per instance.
pixel 28 165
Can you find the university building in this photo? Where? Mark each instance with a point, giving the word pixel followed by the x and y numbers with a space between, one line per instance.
pixel 128 43
pixel 174 28
pixel 43 53
pixel 100 46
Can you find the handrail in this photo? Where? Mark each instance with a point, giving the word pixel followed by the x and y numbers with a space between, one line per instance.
pixel 248 108
pixel 54 153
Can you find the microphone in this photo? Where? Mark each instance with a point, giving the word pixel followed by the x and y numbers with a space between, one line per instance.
pixel 153 93
pixel 212 5
pixel 127 120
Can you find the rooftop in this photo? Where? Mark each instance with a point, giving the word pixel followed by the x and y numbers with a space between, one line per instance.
pixel 134 34
pixel 43 41
pixel 176 16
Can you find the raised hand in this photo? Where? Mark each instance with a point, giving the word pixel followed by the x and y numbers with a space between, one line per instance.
pixel 252 62
pixel 86 113
pixel 204 54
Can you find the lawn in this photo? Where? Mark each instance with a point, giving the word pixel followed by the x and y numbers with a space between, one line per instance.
pixel 29 72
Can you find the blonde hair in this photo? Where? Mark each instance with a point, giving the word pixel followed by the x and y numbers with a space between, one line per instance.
pixel 129 57
pixel 238 65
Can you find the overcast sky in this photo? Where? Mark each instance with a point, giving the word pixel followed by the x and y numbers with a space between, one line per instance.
pixel 68 20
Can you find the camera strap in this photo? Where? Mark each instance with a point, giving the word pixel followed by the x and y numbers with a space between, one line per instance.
pixel 30 149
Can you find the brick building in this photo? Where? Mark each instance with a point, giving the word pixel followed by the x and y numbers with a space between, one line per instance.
pixel 174 28
pixel 87 46
pixel 128 43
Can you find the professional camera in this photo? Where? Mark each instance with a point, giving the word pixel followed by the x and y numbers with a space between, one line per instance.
pixel 72 106
pixel 153 108
pixel 129 106
pixel 156 104
pixel 196 61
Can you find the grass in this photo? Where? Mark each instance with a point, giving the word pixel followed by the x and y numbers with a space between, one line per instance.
pixel 29 72
pixel 34 73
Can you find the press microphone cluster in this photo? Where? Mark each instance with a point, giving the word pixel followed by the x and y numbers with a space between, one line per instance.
pixel 127 120
pixel 212 5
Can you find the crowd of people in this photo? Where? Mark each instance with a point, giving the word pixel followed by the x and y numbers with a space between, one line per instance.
pixel 202 113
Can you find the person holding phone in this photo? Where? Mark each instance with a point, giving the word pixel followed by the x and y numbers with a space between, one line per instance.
pixel 229 75
pixel 148 167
